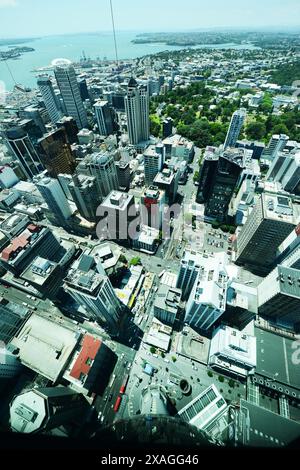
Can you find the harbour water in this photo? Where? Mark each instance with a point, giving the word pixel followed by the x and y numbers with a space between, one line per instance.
pixel 72 46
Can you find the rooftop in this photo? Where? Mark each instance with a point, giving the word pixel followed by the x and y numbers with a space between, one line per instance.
pixel 168 299
pixel 18 244
pixel 45 346
pixel 39 271
pixel 279 207
pixel 118 199
pixel 274 361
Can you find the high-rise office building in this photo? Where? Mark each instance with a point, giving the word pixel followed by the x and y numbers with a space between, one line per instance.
pixel 35 114
pixel 276 144
pixel 236 124
pixel 71 128
pixel 23 151
pixel 152 207
pixel 207 301
pixel 137 111
pixel 219 180
pixel 55 199
pixel 167 180
pixel 189 268
pixel 118 209
pixel 83 190
pixel 56 154
pixel 43 409
pixel 102 167
pixel 285 169
pixel 153 162
pixel 288 253
pixel 50 99
pixel 207 173
pixel 270 222
pixel 123 173
pixel 94 292
pixel 279 297
pixel 69 88
pixel 104 117
pixel 279 166
pixel 167 127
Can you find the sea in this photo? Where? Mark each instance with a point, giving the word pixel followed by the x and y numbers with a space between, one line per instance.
pixel 95 45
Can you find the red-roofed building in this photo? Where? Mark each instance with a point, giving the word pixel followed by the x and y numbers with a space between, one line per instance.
pixel 87 355
pixel 91 366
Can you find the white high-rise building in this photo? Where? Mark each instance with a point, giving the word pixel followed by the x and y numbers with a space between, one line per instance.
pixel 70 92
pixel 207 301
pixel 276 144
pixel 50 99
pixel 153 162
pixel 236 124
pixel 55 199
pixel 137 111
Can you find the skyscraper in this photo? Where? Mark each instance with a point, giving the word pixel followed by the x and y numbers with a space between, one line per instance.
pixel 153 162
pixel 104 117
pixel 68 85
pixel 270 222
pixel 102 167
pixel 71 128
pixel 207 301
pixel 189 269
pixel 279 297
pixel 56 154
pixel 83 190
pixel 236 124
pixel 137 111
pixel 23 151
pixel 276 144
pixel 55 199
pixel 50 99
pixel 218 180
pixel 94 292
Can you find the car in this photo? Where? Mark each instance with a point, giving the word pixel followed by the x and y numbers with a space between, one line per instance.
pixel 110 397
pixel 105 399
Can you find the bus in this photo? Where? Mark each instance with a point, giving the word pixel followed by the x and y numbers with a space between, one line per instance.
pixel 117 404
pixel 112 380
pixel 124 384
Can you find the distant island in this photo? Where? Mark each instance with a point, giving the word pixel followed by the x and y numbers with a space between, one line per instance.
pixel 188 39
pixel 15 53
pixel 269 40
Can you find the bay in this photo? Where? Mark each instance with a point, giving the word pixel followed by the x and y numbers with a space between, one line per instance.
pixel 72 46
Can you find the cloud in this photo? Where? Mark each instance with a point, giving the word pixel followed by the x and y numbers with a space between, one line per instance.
pixel 8 3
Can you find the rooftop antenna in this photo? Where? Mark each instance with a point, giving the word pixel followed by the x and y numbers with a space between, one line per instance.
pixel 114 31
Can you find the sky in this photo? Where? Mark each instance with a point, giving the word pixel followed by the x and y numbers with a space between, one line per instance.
pixel 29 18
